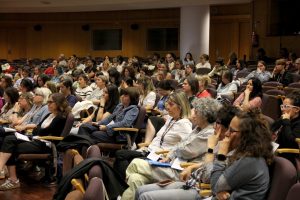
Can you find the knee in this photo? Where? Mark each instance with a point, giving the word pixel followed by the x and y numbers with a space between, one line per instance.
pixel 132 167
pixel 136 180
pixel 93 152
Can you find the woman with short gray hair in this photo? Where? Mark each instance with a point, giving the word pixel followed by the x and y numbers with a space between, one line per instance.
pixel 192 148
pixel 37 112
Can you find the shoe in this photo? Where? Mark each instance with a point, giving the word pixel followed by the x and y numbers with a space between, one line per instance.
pixel 9 184
pixel 2 174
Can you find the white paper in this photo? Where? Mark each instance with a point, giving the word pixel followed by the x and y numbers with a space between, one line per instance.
pixel 20 136
pixel 110 123
pixel 153 156
pixel 9 130
pixel 275 146
pixel 176 164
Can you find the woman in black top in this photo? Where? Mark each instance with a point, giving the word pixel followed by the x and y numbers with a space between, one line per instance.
pixel 53 124
pixel 287 127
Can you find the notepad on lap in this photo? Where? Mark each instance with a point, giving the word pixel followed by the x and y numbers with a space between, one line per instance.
pixel 20 136
pixel 7 130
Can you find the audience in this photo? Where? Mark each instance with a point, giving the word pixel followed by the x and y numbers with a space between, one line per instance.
pixel 172 105
pixel 53 123
pixel 247 143
pixel 260 73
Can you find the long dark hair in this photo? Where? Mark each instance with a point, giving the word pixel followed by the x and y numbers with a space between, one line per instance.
pixel 114 97
pixel 27 83
pixel 257 88
pixel 68 84
pixel 194 84
pixel 113 73
pixel 62 104
pixel 255 137
pixel 13 96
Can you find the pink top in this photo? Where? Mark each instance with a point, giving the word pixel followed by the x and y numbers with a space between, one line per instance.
pixel 203 94
pixel 254 103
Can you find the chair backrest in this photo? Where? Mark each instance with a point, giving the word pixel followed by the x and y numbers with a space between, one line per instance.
pixel 272 84
pixel 296 77
pixel 68 125
pixel 283 175
pixel 275 92
pixel 294 192
pixel 202 71
pixel 140 118
pixel 266 88
pixel 288 90
pixel 241 75
pixel 294 85
pixel 271 106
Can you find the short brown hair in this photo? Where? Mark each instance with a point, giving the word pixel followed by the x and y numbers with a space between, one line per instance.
pixel 281 62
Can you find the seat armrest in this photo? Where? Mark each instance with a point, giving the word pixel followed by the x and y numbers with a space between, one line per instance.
pixel 186 164
pixel 296 151
pixel 205 193
pixel 162 151
pixel 143 144
pixel 78 185
pixel 126 129
pixel 204 186
pixel 50 138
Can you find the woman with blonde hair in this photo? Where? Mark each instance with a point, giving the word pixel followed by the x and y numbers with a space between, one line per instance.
pixel 147 94
pixel 203 83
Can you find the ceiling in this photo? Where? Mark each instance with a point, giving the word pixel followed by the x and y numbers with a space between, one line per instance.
pixel 40 6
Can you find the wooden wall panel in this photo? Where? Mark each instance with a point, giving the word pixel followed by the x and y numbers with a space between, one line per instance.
pixel 3 43
pixel 244 40
pixel 62 32
pixel 229 34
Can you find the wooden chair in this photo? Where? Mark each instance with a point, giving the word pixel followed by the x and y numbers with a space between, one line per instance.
pixel 275 92
pixel 50 158
pixel 272 84
pixel 271 105
pixel 202 71
pixel 130 133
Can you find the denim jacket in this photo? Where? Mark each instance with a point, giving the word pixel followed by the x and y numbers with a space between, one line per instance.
pixel 122 118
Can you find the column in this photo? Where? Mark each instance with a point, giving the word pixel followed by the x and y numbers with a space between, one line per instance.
pixel 194 31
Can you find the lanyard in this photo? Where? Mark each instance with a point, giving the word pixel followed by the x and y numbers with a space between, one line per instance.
pixel 172 122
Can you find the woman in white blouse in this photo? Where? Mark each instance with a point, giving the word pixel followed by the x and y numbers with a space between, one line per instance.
pixel 147 94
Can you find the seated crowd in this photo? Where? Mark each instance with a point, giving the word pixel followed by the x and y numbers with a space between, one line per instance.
pixel 211 120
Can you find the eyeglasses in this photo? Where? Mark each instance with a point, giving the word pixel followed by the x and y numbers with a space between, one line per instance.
pixel 50 101
pixel 283 107
pixel 38 94
pixel 231 130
